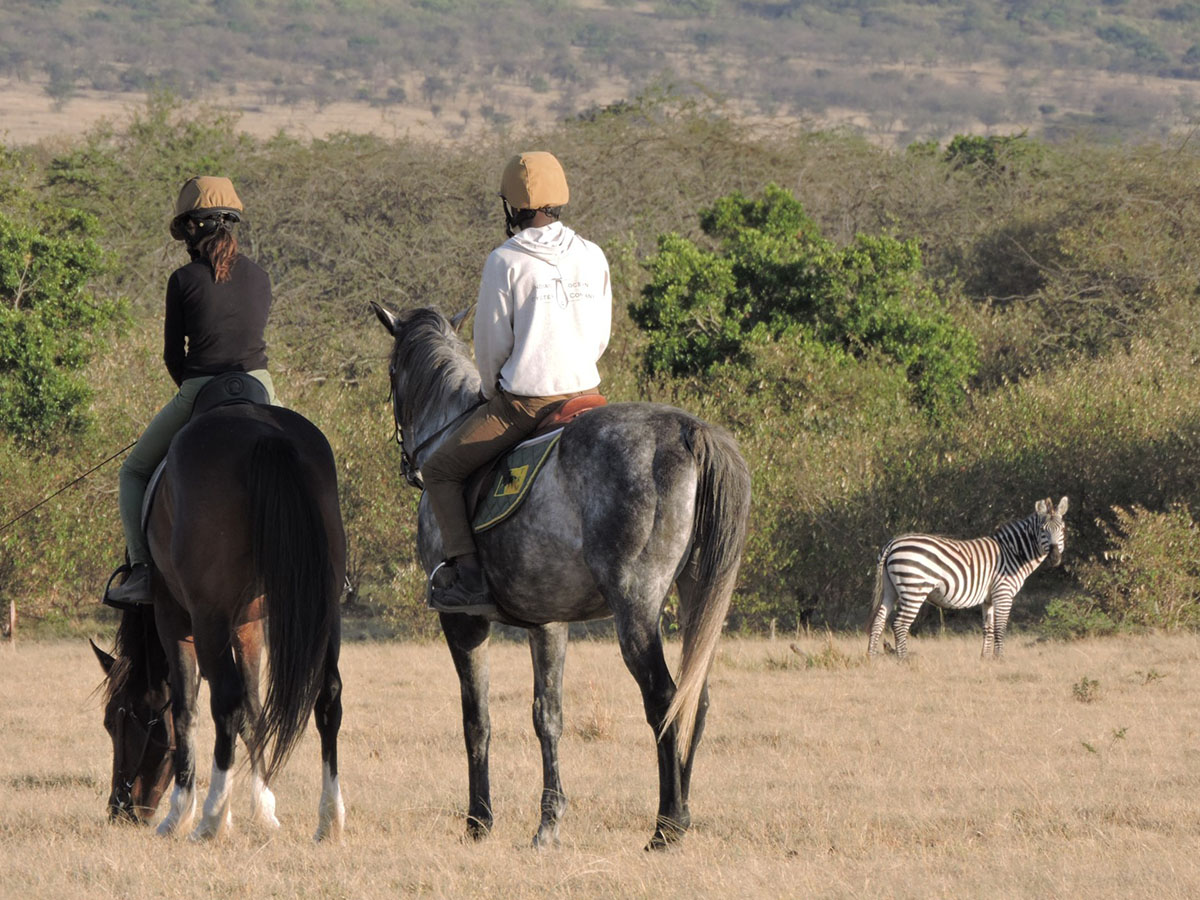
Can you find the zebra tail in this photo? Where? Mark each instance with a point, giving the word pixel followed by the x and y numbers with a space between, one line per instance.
pixel 877 598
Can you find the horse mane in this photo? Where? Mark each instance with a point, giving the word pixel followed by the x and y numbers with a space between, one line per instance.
pixel 140 658
pixel 440 372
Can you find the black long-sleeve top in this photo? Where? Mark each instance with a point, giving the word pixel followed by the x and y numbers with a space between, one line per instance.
pixel 212 328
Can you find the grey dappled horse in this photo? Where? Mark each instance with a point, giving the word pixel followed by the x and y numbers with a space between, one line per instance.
pixel 636 497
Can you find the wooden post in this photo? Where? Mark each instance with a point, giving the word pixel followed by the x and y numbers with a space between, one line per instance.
pixel 10 626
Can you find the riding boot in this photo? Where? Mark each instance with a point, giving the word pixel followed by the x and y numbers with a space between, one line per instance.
pixel 134 590
pixel 462 590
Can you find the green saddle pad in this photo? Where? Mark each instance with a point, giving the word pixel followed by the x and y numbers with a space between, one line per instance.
pixel 513 477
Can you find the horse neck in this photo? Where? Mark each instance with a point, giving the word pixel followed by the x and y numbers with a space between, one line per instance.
pixel 440 406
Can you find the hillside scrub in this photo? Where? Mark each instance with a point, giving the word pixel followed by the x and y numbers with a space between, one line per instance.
pixel 1073 272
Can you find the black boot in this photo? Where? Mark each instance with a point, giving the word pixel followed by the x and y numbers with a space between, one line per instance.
pixel 459 587
pixel 134 590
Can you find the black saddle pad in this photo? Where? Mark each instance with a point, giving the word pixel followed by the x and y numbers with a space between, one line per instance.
pixel 230 387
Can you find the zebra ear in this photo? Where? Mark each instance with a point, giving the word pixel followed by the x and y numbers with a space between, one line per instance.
pixel 1062 508
pixel 1042 507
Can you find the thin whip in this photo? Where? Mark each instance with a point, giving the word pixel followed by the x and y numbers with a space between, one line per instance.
pixel 65 486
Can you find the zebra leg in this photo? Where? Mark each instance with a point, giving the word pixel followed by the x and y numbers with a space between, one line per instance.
pixel 906 614
pixel 989 626
pixel 887 603
pixel 1004 601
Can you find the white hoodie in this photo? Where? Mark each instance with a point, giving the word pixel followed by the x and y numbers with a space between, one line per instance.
pixel 544 314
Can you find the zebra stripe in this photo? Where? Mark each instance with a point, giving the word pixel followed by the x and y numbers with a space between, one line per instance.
pixel 960 574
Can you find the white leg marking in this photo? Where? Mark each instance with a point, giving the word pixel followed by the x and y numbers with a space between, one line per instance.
pixel 262 803
pixel 216 815
pixel 180 813
pixel 331 814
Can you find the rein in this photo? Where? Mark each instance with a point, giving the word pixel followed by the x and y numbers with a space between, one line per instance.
pixel 126 798
pixel 65 486
pixel 412 474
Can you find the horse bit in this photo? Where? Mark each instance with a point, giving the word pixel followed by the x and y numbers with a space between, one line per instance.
pixel 124 795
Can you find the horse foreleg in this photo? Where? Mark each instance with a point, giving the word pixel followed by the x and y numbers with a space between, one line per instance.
pixel 331 812
pixel 467 638
pixel 185 681
pixel 227 696
pixel 641 648
pixel 548 647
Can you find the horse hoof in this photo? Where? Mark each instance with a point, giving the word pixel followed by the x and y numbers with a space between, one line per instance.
pixel 477 830
pixel 667 833
pixel 546 841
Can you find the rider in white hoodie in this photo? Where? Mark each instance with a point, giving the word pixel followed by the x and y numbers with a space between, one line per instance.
pixel 543 320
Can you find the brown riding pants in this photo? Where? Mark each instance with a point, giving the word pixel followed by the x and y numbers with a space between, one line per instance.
pixel 499 424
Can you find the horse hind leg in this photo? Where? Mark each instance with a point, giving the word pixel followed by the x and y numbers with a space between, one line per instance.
pixel 548 647
pixel 327 713
pixel 248 648
pixel 642 651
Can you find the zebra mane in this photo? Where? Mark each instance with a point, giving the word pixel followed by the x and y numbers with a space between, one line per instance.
pixel 435 368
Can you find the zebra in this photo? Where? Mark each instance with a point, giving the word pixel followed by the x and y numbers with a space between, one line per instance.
pixel 956 574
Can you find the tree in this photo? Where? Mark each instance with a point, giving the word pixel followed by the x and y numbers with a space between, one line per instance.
pixel 774 277
pixel 48 319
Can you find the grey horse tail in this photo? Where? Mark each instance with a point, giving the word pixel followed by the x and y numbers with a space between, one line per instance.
pixel 720 524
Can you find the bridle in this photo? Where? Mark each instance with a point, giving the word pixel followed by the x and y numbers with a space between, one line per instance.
pixel 124 794
pixel 412 474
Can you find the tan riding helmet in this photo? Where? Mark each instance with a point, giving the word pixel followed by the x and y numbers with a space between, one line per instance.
pixel 202 196
pixel 534 180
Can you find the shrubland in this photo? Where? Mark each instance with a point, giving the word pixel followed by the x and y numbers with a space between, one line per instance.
pixel 1058 281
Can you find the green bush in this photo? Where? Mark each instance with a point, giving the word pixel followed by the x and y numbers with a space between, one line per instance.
pixel 774 277
pixel 1150 574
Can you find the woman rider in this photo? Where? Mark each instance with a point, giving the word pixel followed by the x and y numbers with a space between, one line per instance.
pixel 216 313
pixel 542 322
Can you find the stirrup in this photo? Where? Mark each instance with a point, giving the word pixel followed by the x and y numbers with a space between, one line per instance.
pixel 125 569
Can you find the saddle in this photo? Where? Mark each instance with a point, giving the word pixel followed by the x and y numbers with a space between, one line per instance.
pixel 226 389
pixel 495 491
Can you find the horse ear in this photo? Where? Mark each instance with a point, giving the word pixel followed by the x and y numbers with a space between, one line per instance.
pixel 107 661
pixel 457 322
pixel 1062 507
pixel 385 316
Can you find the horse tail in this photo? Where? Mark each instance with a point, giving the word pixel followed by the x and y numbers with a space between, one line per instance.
pixel 294 570
pixel 719 536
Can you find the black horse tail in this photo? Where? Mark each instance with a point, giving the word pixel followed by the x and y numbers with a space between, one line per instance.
pixel 294 570
pixel 720 524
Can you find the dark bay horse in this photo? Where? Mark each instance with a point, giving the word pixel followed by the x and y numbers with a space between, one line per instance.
pixel 245 527
pixel 637 497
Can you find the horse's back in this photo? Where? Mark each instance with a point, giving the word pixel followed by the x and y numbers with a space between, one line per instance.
pixel 209 482
pixel 615 503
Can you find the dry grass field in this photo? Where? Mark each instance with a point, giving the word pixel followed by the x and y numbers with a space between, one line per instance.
pixel 1067 770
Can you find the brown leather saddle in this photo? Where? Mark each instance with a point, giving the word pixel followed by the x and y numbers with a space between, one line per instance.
pixel 558 418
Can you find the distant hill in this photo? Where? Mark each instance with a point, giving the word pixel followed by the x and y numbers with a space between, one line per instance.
pixel 897 70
